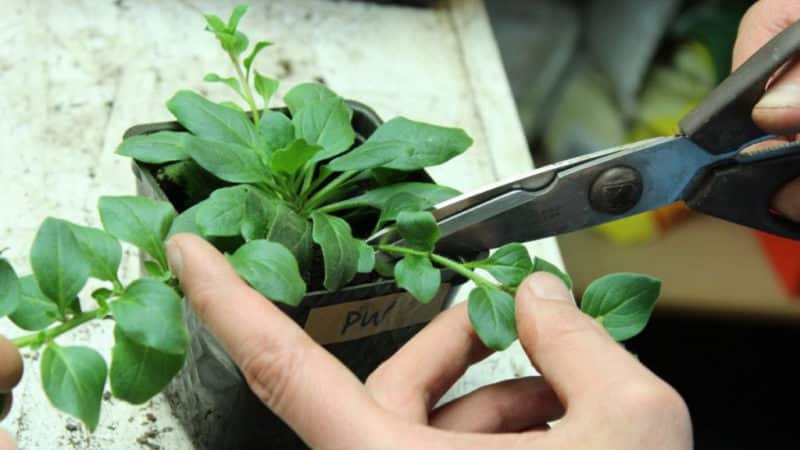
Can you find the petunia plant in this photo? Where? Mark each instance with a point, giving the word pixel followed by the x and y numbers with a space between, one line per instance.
pixel 290 194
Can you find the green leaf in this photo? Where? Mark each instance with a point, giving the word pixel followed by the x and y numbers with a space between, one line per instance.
pixel 73 379
pixel 233 42
pixel 35 311
pixel 340 251
pixel 509 264
pixel 270 268
pixel 102 294
pixel 276 130
pixel 215 23
pixel 224 212
pixel 231 82
pixel 399 203
pixel 291 159
pixel 432 144
pixel 326 123
pixel 236 15
pixel 229 162
pixel 366 257
pixel 58 262
pixel 541 265
pixel 10 290
pixel 140 221
pixel 491 312
pixel 208 120
pixel 153 269
pixel 186 222
pixel 418 229
pixel 417 275
pixel 156 148
pixel 370 154
pixel 232 105
pixel 622 302
pixel 137 372
pixel 257 207
pixel 303 94
pixel 287 227
pixel 377 198
pixel 149 313
pixel 102 250
pixel 265 86
pixel 256 50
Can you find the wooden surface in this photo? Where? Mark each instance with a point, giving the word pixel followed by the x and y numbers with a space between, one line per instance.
pixel 75 74
pixel 708 267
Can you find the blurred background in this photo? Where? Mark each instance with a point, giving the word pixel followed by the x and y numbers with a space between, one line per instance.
pixel 588 75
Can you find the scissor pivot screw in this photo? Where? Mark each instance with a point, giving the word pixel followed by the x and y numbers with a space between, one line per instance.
pixel 616 190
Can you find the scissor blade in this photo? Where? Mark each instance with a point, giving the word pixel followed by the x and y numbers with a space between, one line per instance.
pixel 562 205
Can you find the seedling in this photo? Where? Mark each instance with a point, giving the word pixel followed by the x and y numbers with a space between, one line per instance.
pixel 290 186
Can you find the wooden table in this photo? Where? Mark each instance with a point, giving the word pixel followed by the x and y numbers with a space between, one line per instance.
pixel 75 75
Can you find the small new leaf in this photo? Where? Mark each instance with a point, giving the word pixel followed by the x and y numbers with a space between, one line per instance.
pixel 541 265
pixel 265 86
pixel 417 275
pixel 10 290
pixel 73 379
pixel 35 311
pixel 418 229
pixel 366 257
pixel 621 302
pixel 58 262
pixel 140 221
pixel 253 53
pixel 291 159
pixel 340 251
pixel 399 203
pixel 276 130
pixel 491 312
pixel 270 269
pixel 231 82
pixel 149 313
pixel 156 148
pixel 509 264
pixel 325 123
pixel 138 372
pixel 236 16
pixel 431 144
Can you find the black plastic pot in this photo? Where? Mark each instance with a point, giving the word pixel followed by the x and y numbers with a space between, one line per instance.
pixel 362 325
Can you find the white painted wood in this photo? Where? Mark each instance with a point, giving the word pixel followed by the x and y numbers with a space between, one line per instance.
pixel 75 74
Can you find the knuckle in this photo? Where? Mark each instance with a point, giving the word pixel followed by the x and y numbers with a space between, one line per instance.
pixel 270 373
pixel 654 399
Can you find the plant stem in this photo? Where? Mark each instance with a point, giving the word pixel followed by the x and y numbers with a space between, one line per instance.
pixel 442 261
pixel 46 335
pixel 324 193
pixel 248 94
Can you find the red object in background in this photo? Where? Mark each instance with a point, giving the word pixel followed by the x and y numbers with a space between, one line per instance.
pixel 784 254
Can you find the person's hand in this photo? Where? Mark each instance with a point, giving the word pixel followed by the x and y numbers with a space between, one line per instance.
pixel 778 112
pixel 10 374
pixel 610 401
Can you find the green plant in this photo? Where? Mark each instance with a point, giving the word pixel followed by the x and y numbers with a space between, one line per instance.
pixel 284 192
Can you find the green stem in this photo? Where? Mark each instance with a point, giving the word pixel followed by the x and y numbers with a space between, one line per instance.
pixel 444 262
pixel 248 94
pixel 338 206
pixel 47 335
pixel 324 193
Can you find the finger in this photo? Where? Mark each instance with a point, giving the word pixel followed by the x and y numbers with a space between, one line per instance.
pixel 296 378
pixel 787 201
pixel 6 441
pixel 573 352
pixel 505 407
pixel 411 382
pixel 10 365
pixel 778 111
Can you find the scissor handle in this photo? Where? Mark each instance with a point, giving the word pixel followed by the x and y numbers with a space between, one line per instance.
pixel 723 121
pixel 739 190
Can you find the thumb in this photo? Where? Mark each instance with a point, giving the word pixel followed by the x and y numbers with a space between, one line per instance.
pixel 573 352
pixel 6 441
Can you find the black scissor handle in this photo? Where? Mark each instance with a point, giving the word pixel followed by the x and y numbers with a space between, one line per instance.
pixel 739 190
pixel 723 122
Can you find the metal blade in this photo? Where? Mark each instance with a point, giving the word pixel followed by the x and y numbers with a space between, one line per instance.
pixel 560 202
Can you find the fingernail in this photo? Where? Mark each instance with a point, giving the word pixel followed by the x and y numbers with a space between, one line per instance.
pixel 549 287
pixel 782 95
pixel 174 258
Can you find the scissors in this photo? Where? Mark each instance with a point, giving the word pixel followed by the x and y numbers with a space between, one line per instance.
pixel 703 166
